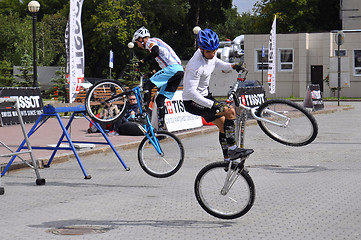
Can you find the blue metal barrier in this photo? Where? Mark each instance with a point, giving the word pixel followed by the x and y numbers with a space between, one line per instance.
pixel 53 110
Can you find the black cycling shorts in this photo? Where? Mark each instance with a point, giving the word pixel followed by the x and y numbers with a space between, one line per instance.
pixel 209 114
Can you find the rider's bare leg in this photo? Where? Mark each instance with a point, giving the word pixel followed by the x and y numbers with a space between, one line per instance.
pixel 228 113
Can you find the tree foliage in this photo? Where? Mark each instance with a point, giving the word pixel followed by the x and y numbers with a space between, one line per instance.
pixel 235 24
pixel 131 75
pixel 6 78
pixel 26 75
pixel 59 89
pixel 110 24
pixel 51 36
pixel 15 37
pixel 298 15
pixel 10 6
pixel 166 19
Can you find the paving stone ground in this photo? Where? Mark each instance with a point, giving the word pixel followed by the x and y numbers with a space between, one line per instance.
pixel 309 192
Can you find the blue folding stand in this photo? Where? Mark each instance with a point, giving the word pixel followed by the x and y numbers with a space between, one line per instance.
pixel 54 110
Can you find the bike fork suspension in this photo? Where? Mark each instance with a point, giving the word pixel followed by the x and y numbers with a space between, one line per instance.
pixel 232 175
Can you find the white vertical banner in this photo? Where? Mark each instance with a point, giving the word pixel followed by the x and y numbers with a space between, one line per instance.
pixel 67 67
pixel 271 75
pixel 76 49
pixel 111 59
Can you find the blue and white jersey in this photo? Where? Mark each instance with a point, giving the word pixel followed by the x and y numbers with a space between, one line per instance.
pixel 166 54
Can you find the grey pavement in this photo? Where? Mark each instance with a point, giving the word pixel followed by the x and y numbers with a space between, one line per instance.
pixel 309 192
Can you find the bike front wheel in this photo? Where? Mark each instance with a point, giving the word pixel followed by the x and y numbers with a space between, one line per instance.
pixel 209 187
pixel 102 93
pixel 163 164
pixel 287 122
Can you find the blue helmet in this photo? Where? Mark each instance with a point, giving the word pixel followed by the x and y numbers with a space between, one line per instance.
pixel 207 39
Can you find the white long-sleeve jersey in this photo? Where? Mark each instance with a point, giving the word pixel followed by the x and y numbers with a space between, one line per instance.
pixel 197 75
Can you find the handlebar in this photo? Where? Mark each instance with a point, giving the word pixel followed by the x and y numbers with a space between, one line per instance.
pixel 232 94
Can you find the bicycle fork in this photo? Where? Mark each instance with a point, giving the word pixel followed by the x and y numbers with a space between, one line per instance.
pixel 232 175
pixel 154 141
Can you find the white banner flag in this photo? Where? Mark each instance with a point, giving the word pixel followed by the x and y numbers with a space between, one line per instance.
pixel 271 76
pixel 76 49
pixel 67 67
pixel 111 59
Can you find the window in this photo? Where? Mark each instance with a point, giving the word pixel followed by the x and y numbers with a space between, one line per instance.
pixel 286 60
pixel 357 62
pixel 343 53
pixel 260 59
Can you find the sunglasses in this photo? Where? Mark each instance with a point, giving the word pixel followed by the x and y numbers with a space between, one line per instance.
pixel 131 99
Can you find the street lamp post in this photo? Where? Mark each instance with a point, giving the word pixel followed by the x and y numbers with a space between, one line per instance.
pixel 131 46
pixel 196 29
pixel 34 7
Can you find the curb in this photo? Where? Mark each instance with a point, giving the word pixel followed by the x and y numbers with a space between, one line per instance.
pixel 41 162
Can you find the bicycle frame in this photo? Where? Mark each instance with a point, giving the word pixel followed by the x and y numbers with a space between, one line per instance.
pixel 242 110
pixel 148 127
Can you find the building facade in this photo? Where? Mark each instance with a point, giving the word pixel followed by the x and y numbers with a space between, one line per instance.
pixel 350 14
pixel 305 58
pixel 308 58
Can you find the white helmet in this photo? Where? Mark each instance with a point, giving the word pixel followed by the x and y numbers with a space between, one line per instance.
pixel 141 32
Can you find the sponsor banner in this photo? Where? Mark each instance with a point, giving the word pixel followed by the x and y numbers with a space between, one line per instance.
pixel 313 98
pixel 30 104
pixel 177 118
pixel 67 66
pixel 251 96
pixel 271 75
pixel 76 49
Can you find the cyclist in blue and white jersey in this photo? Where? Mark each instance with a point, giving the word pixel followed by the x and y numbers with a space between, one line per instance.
pixel 170 75
pixel 199 101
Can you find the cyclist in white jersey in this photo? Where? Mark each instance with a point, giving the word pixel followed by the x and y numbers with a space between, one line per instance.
pixel 170 75
pixel 197 99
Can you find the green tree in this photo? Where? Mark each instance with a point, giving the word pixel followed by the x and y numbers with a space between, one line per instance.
pixel 51 40
pixel 235 24
pixel 207 12
pixel 10 6
pixel 131 74
pixel 298 15
pixel 6 78
pixel 166 19
pixel 26 69
pixel 58 91
pixel 109 26
pixel 15 37
pixel 52 7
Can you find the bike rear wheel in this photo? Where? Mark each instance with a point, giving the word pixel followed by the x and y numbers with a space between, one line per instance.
pixel 164 165
pixel 101 93
pixel 299 128
pixel 235 203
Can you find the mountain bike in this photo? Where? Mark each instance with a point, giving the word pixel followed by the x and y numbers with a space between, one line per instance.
pixel 160 153
pixel 225 189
